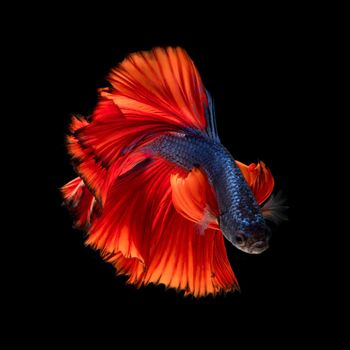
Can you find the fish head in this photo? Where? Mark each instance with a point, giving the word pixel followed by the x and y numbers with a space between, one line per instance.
pixel 249 237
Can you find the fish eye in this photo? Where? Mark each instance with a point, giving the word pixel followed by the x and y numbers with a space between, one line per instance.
pixel 240 238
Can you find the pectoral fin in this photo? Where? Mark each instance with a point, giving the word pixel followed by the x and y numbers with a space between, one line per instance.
pixel 194 198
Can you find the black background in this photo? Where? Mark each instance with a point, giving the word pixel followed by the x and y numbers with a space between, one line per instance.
pixel 262 73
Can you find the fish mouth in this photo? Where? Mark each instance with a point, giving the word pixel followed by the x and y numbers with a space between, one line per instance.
pixel 250 245
pixel 254 248
pixel 258 247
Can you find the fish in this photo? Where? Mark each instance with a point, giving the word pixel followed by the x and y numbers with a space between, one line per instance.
pixel 156 191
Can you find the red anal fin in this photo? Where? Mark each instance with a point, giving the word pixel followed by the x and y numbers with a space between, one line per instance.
pixel 182 259
pixel 186 260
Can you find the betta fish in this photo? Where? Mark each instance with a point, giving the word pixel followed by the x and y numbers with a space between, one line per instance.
pixel 156 191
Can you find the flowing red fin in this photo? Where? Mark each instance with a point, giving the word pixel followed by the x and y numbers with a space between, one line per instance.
pixel 136 193
pixel 161 246
pixel 132 267
pixel 153 93
pixel 112 135
pixel 97 157
pixel 186 260
pixel 77 123
pixel 182 259
pixel 81 202
pixel 87 165
pixel 162 85
pixel 72 191
pixel 194 198
pixel 259 178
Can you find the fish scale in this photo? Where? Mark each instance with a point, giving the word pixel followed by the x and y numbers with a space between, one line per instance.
pixel 238 207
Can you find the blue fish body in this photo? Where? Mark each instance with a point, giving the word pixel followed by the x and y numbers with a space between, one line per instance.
pixel 241 220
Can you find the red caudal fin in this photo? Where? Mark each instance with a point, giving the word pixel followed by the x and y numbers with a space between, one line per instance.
pixel 161 245
pixel 259 178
